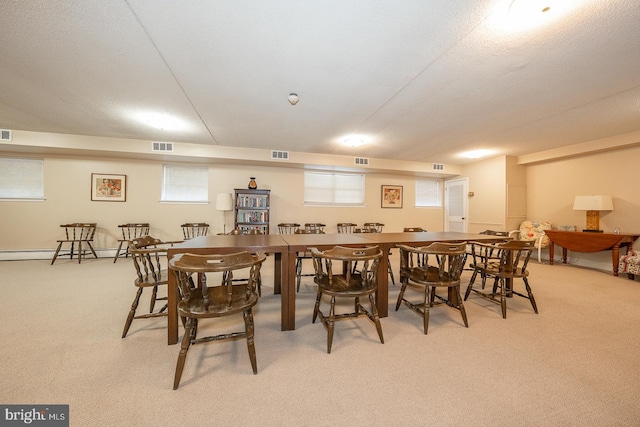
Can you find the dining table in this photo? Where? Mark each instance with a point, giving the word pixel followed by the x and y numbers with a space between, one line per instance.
pixel 285 247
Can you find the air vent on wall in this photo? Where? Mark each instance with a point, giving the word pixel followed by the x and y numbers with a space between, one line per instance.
pixel 438 167
pixel 6 135
pixel 279 155
pixel 361 161
pixel 162 146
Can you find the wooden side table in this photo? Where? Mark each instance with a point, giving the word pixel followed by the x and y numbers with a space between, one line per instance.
pixel 580 241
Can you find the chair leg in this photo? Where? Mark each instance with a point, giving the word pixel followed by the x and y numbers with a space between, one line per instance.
pixel 118 251
pixel 470 285
pixel 56 254
pixel 79 252
pixel 503 297
pixel 401 295
pixel 92 250
pixel 154 295
pixel 71 253
pixel 249 328
pixel 184 348
pixel 463 312
pixel 376 319
pixel 391 275
pixel 330 324
pixel 298 273
pixel 132 313
pixel 316 308
pixel 427 304
pixel 531 298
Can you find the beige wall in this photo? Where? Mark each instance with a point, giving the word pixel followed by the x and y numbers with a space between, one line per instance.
pixel 487 207
pixel 552 186
pixel 34 226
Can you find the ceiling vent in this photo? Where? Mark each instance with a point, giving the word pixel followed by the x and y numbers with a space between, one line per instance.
pixel 438 167
pixel 361 161
pixel 279 155
pixel 6 135
pixel 165 147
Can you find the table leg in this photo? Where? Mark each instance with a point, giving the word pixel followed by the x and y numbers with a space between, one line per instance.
pixel 564 255
pixel 615 258
pixel 382 296
pixel 277 273
pixel 551 250
pixel 172 309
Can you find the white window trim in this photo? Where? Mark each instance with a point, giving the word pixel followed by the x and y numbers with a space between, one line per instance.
pixel 11 174
pixel 331 176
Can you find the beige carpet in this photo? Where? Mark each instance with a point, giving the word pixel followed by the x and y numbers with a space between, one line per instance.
pixel 574 364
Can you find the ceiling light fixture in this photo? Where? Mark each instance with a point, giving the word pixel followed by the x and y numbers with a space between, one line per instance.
pixel 476 154
pixel 353 141
pixel 161 121
pixel 293 98
pixel 515 16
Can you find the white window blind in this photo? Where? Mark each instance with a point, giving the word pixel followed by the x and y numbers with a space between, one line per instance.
pixel 333 189
pixel 428 192
pixel 21 178
pixel 185 184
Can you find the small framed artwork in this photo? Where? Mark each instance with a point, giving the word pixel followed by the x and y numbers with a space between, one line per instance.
pixel 108 188
pixel 392 196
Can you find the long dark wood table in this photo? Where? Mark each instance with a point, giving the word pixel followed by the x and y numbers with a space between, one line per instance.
pixel 580 241
pixel 284 248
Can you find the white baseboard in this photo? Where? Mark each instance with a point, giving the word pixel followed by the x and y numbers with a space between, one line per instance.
pixel 36 254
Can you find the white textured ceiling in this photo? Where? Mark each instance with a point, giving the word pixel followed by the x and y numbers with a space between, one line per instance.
pixel 424 80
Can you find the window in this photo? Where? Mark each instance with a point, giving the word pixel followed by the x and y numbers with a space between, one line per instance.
pixel 333 189
pixel 429 193
pixel 185 184
pixel 21 179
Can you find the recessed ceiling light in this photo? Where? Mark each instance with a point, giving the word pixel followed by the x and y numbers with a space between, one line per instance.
pixel 476 154
pixel 512 16
pixel 161 121
pixel 353 141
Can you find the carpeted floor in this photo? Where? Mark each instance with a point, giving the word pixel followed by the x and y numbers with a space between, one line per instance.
pixel 574 364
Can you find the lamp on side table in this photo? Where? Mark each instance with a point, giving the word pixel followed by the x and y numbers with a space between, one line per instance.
pixel 593 205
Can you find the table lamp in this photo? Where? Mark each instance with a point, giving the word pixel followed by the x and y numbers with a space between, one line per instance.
pixel 593 205
pixel 224 202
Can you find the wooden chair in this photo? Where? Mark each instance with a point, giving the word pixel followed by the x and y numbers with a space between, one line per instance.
pixel 441 268
pixel 346 285
pixel 377 226
pixel 373 227
pixel 194 229
pixel 301 256
pixel 221 300
pixel 130 231
pixel 504 262
pixel 346 227
pixel 314 227
pixel 77 233
pixel 491 254
pixel 288 227
pixel 148 255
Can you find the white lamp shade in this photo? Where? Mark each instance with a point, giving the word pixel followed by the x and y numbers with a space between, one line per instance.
pixel 224 202
pixel 593 203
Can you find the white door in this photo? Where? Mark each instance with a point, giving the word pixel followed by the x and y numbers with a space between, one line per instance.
pixel 456 206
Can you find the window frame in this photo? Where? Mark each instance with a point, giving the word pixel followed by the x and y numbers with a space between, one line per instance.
pixel 333 190
pixel 419 203
pixel 17 177
pixel 166 168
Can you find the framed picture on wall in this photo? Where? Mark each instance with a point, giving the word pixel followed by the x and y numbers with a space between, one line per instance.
pixel 108 188
pixel 392 196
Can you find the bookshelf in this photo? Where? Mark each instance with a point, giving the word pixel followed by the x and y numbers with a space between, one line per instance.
pixel 251 210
